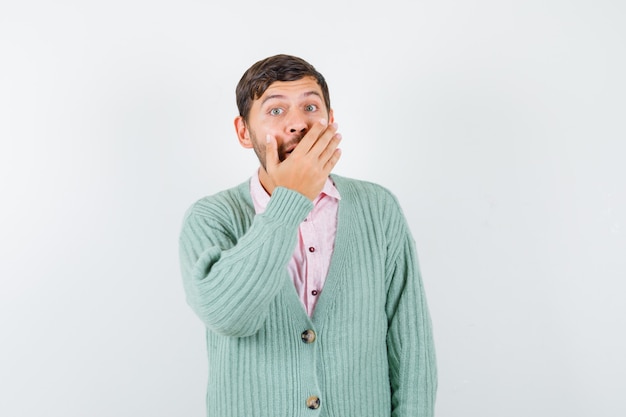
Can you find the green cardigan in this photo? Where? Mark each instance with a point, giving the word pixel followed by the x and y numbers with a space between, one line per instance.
pixel 367 350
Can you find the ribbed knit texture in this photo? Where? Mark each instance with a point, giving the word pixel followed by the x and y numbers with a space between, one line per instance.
pixel 373 354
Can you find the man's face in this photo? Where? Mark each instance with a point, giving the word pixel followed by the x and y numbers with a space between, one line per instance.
pixel 286 110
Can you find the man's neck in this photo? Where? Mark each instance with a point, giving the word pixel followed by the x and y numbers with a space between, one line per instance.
pixel 266 182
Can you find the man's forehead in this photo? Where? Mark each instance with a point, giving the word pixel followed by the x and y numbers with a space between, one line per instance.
pixel 302 87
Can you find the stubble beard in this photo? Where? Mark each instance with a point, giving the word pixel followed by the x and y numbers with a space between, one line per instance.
pixel 259 149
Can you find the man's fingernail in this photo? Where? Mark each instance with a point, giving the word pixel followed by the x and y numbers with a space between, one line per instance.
pixel 335 125
pixel 324 122
pixel 268 139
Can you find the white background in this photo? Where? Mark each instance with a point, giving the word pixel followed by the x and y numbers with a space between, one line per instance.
pixel 499 125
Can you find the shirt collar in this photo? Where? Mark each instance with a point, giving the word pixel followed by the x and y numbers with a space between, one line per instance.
pixel 261 198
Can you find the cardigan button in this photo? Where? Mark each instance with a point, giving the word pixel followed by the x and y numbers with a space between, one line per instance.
pixel 308 336
pixel 313 402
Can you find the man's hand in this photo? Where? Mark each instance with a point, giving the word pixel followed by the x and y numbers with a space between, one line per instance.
pixel 305 170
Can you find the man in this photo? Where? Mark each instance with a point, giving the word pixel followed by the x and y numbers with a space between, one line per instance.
pixel 307 282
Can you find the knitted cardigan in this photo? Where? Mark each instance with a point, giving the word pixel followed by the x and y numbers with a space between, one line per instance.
pixel 367 350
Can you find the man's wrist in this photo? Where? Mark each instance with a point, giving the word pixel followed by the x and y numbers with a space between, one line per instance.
pixel 287 205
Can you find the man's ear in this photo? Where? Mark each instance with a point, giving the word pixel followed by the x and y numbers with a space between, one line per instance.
pixel 331 116
pixel 243 134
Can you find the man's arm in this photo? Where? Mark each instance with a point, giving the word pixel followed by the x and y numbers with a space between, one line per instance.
pixel 411 352
pixel 230 281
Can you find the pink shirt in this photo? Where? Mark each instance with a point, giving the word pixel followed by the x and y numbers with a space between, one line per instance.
pixel 310 261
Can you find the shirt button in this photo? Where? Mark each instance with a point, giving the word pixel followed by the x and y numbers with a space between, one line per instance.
pixel 313 402
pixel 314 292
pixel 308 336
pixel 311 249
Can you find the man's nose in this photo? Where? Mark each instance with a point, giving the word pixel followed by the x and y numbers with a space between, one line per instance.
pixel 297 124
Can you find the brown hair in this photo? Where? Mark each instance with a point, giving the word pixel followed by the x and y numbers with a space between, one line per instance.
pixel 263 73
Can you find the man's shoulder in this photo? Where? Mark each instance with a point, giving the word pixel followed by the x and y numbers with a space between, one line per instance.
pixel 370 199
pixel 222 203
pixel 362 189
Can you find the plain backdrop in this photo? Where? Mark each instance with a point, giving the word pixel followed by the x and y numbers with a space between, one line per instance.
pixel 499 125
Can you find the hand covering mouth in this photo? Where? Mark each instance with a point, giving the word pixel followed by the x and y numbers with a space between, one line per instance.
pixel 287 148
pixel 284 154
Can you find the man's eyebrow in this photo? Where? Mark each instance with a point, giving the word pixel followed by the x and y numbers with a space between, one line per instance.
pixel 281 96
pixel 312 93
pixel 273 96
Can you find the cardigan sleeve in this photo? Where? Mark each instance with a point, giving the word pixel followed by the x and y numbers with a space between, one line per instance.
pixel 410 347
pixel 230 281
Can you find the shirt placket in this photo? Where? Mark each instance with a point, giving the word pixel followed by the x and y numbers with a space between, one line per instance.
pixel 311 251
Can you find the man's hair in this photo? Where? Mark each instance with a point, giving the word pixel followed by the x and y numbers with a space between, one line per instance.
pixel 263 73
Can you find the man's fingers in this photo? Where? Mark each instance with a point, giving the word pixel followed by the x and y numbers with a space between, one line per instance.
pixel 329 150
pixel 271 153
pixel 325 139
pixel 309 140
pixel 332 161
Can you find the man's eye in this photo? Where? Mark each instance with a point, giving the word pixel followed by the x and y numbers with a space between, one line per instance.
pixel 276 112
pixel 310 107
